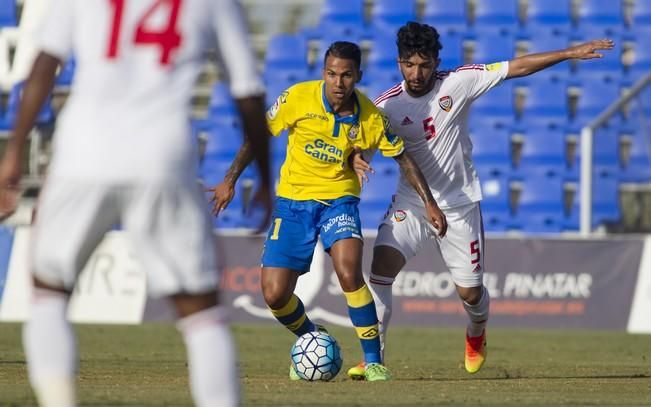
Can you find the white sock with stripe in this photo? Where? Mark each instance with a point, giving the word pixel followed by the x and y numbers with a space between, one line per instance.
pixel 381 288
pixel 478 314
pixel 51 349
pixel 212 358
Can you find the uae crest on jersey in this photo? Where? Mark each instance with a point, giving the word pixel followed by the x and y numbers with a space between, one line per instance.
pixel 445 103
pixel 353 132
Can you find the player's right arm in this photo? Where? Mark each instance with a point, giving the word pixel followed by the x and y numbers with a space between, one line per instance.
pixel 35 92
pixel 416 179
pixel 278 117
pixel 247 88
pixel 528 64
pixel 223 193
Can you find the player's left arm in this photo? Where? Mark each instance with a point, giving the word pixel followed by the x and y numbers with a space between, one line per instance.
pixel 416 179
pixel 528 64
pixel 35 92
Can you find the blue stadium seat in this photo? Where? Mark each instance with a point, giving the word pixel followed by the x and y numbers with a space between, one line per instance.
pixel 8 15
pixel 339 17
pixel 542 39
pixel 66 74
pixel 286 58
pixel 324 42
pixel 540 205
pixel 223 142
pixel 376 82
pixel 605 154
pixel 496 108
pixel 642 53
pixel 221 100
pixel 371 216
pixel 389 15
pixel 595 96
pixel 608 14
pixel 348 11
pixel 385 180
pixel 383 53
pixel 605 203
pixel 45 115
pixel 278 148
pixel 212 171
pixel 275 87
pixel 377 193
pixel 641 13
pixel 495 205
pixel 497 16
pixel 4 124
pixel 491 151
pixel 608 67
pixel 222 110
pixel 551 15
pixel 448 17
pixel 546 104
pixel 543 148
pixel 452 54
pixel 492 47
pixel 637 167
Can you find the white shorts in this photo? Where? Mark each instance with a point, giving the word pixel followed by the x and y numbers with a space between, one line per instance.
pixel 167 226
pixel 407 230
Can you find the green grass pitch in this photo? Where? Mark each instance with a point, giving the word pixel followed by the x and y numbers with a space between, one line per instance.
pixel 145 366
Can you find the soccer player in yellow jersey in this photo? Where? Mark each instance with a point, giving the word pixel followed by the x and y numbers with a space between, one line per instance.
pixel 318 194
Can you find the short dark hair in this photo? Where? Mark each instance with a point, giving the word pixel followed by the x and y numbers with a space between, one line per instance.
pixel 344 50
pixel 417 38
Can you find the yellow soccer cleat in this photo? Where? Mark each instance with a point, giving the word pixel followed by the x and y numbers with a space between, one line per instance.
pixel 475 352
pixel 375 372
pixel 293 375
pixel 357 372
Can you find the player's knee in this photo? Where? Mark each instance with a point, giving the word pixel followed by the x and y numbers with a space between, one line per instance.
pixel 351 280
pixel 52 262
pixel 275 296
pixel 470 295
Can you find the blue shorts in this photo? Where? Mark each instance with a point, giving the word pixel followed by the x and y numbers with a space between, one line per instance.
pixel 296 226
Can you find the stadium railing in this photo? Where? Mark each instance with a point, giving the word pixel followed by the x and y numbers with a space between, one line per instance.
pixel 587 134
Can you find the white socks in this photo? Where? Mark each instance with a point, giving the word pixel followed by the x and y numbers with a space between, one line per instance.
pixel 478 314
pixel 51 349
pixel 381 288
pixel 212 360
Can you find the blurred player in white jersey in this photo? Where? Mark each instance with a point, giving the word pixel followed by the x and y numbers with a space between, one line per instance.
pixel 123 154
pixel 429 110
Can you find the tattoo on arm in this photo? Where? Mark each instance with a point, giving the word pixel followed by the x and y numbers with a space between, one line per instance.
pixel 242 160
pixel 414 176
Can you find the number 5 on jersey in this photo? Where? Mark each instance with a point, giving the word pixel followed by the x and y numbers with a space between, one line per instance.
pixel 168 38
pixel 428 126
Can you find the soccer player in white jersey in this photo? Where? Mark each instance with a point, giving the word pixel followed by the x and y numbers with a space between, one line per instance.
pixel 429 110
pixel 123 153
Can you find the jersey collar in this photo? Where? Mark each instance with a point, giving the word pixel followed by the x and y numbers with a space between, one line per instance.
pixel 351 119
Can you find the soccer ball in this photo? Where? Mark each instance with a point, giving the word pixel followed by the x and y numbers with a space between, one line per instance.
pixel 316 356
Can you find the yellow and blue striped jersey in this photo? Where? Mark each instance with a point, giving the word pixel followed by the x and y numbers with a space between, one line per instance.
pixel 320 141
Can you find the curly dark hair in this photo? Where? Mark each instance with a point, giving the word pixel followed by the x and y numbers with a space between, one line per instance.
pixel 344 50
pixel 417 38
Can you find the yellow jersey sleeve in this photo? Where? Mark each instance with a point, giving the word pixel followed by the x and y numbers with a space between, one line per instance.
pixel 281 115
pixel 390 144
pixel 378 128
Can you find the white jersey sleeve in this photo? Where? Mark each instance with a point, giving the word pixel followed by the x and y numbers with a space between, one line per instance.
pixel 56 36
pixel 478 79
pixel 236 56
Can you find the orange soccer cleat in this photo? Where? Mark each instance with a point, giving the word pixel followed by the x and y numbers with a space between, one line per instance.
pixel 357 372
pixel 475 352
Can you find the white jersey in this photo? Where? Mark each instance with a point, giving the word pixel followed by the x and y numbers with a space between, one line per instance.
pixel 434 128
pixel 127 117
